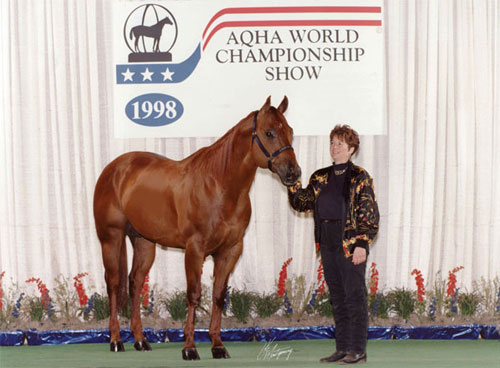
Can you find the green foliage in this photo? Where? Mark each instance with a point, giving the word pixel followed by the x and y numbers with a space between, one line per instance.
pixel 482 302
pixel 101 307
pixel 298 294
pixel 487 293
pixel 323 305
pixel 438 292
pixel 9 302
pixel 380 304
pixel 36 309
pixel 402 302
pixel 126 311
pixel 240 304
pixel 4 317
pixel 65 298
pixel 205 305
pixel 267 304
pixel 468 303
pixel 420 308
pixel 176 305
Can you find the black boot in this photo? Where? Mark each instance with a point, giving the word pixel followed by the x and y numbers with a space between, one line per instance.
pixel 335 357
pixel 354 358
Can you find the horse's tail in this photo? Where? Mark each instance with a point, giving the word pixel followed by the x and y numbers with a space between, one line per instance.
pixel 131 33
pixel 123 276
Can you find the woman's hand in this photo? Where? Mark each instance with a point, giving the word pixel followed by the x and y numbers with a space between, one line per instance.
pixel 359 255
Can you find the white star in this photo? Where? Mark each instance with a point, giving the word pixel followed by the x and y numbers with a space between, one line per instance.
pixel 147 75
pixel 167 74
pixel 128 75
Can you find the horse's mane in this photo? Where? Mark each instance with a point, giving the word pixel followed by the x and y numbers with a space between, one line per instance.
pixel 216 158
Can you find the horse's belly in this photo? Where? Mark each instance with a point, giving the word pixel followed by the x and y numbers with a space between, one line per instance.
pixel 153 219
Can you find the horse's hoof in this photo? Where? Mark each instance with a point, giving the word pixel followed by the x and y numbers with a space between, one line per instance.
pixel 220 353
pixel 116 347
pixel 142 345
pixel 190 354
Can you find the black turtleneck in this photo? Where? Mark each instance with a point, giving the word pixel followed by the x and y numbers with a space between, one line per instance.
pixel 331 202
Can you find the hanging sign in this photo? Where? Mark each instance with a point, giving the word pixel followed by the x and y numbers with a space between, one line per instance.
pixel 195 67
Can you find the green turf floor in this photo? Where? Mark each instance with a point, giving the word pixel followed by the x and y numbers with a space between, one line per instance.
pixel 298 353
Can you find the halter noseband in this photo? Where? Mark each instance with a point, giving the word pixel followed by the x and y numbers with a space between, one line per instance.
pixel 255 137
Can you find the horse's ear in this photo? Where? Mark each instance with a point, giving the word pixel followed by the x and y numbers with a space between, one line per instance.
pixel 267 105
pixel 283 105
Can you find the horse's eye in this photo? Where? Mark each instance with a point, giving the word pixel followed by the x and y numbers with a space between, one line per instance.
pixel 270 134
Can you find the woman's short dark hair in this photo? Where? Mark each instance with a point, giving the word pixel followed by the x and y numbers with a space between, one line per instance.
pixel 347 134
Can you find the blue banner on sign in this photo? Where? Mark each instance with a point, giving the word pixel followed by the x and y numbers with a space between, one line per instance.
pixel 154 73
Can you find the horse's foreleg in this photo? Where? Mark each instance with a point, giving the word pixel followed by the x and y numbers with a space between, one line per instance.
pixel 144 255
pixel 194 258
pixel 223 266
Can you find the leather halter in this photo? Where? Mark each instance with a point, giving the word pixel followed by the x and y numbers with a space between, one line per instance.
pixel 270 157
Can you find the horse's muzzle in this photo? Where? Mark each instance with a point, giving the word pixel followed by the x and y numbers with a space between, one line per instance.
pixel 289 174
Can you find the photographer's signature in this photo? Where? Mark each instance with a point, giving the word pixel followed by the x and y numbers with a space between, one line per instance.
pixel 271 351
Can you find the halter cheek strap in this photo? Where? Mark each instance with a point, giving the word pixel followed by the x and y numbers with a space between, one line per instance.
pixel 270 157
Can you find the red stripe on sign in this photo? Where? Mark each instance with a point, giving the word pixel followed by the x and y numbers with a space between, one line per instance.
pixel 283 23
pixel 295 9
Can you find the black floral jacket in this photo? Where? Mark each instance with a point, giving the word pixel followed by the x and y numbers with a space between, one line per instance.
pixel 362 217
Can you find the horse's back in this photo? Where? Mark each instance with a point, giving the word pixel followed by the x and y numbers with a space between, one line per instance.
pixel 128 167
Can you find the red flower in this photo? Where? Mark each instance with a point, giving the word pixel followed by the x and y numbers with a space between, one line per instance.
pixel 145 291
pixel 79 288
pixel 420 284
pixel 283 276
pixel 43 291
pixel 1 290
pixel 452 281
pixel 321 278
pixel 373 279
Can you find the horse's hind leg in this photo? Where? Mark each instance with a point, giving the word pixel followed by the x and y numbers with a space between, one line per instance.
pixel 113 247
pixel 224 263
pixel 144 255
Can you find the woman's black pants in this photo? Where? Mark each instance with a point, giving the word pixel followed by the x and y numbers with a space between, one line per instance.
pixel 347 289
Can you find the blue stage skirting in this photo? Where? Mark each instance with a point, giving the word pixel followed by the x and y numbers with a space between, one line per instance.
pixel 262 334
pixel 11 338
pixel 467 332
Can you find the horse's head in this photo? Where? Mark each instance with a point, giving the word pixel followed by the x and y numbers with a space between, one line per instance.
pixel 166 20
pixel 272 142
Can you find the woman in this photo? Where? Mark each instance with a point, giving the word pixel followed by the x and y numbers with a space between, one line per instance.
pixel 346 221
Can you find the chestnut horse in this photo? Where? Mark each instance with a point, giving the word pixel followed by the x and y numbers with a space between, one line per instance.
pixel 201 204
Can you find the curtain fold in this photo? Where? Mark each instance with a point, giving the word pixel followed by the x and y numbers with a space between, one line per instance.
pixel 435 171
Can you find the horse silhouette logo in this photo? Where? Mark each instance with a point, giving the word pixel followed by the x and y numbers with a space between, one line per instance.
pixel 153 31
pixel 150 32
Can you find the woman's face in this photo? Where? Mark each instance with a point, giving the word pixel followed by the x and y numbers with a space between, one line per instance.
pixel 340 151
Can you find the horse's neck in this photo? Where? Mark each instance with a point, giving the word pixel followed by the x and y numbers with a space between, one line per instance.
pixel 243 167
pixel 229 159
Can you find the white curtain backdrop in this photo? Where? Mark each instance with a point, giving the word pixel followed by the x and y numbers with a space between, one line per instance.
pixel 436 171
